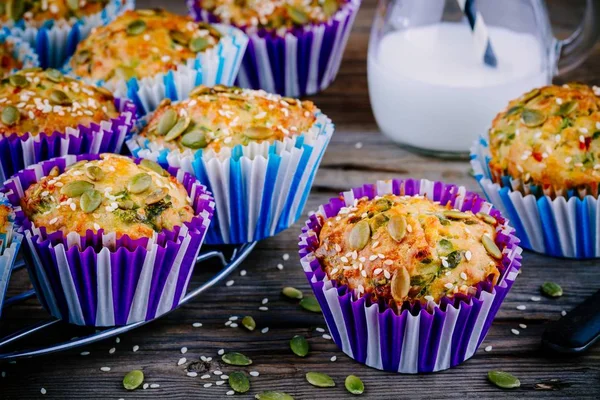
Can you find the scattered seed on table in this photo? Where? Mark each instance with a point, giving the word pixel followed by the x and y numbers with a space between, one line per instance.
pixel 299 346
pixel 273 396
pixel 221 352
pixel 206 376
pixel 219 383
pixel 230 283
pixel 264 330
pixel 488 348
pixel 239 382
pixel 233 318
pixel 326 336
pixel 535 298
pixel 43 391
pixel 249 323
pixel 551 289
pixel 182 361
pixel 230 393
pixel 105 369
pixel 154 386
pixel 358 145
pixel 243 272
pixel 146 386
pixel 136 348
pixel 184 350
pixel 265 301
pixel 84 353
pixel 286 257
pixel 319 379
pixel 263 308
pixel 132 380
pixel 503 380
pixel 224 376
pixel 515 331
pixel 333 358
pixel 117 340
pixel 280 267
pixel 197 324
pixel 354 385
pixel 235 358
pixel 292 293
pixel 310 303
pixel 234 325
pixel 320 330
pixel 228 323
pixel 522 326
pixel 563 313
pixel 207 385
pixel 217 372
pixel 521 307
pixel 192 374
pixel 112 350
pixel 254 373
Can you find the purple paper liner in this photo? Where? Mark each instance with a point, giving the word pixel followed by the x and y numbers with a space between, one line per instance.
pixel 98 280
pixel 302 62
pixel 418 338
pixel 18 152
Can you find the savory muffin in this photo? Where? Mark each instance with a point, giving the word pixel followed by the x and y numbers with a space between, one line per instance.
pixel 141 43
pixel 8 61
pixel 227 116
pixel 36 12
pixel 267 14
pixel 114 194
pixel 549 137
pixel 37 101
pixel 408 248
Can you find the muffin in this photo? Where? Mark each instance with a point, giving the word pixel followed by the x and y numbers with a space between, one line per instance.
pixel 15 54
pixel 6 224
pixel 111 240
pixel 37 13
pixel 10 243
pixel 295 46
pixel 257 152
pixel 44 114
pixel 8 61
pixel 408 261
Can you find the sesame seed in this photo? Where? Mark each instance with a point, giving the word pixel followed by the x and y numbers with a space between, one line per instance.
pixel 53 221
pixel 522 326
pixel 488 348
pixel 217 372
pixel 515 331
pixel 197 324
pixel 535 298
pixel 563 313
pixel 387 274
pixel 265 301
pixel 373 257
pixel 207 385
pixel 228 323
pixel 117 340
pixel 145 386
pixel 224 376
pixel 192 374
pixel 377 271
pixel 263 308
pixel 254 373
pixel 521 307
pixel 333 358
pixel 321 330
pixel 363 273
pixel 280 267
pixel 182 361
pixel 243 272
pixel 428 298
pixel 463 275
pixel 42 390
pixel 344 259
pixel 206 376
pixel 358 145
pixel 234 325
pixel 559 101
pixel 105 369
pixel 230 393
pixel 468 255
pixel 112 350
pixel 230 283
pixel 264 330
pixel 84 353
pixel 326 336
pixel 568 159
pixel 233 318
pixel 154 386
pixel 583 130
pixel 388 262
pixel 445 263
pixel 219 383
pixel 136 348
pixel 184 350
pixel 221 352
pixel 449 285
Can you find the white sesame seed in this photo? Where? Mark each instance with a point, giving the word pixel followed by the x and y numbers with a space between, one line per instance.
pixel 230 283
pixel 515 331
pixel 333 358
pixel 224 376
pixel 280 266
pixel 221 352
pixel 136 348
pixel 377 271
pixel 197 324
pixel 522 326
pixel 521 307
pixel 230 393
pixel 192 374
pixel 53 221
pixel 43 391
pixel 217 372
pixel 254 373
pixel 263 308
pixel 363 273
pixel 445 262
pixel 182 361
pixel 234 325
pixel 228 323
pixel 468 255
pixel 264 330
pixel 449 285
pixel 265 301
pixel 488 348
pixel 583 130
pixel 84 353
pixel 145 386
pixel 559 100
pixel 358 145
pixel 535 298
pixel 563 313
pixel 234 318
pixel 387 274
pixel 326 336
pixel 105 369
pixel 112 350
pixel 243 272
pixel 184 350
pixel 154 386
pixel 207 385
pixel 321 330
pixel 286 257
pixel 117 340
pixel 219 383
pixel 206 376
pixel 463 275
pixel 428 298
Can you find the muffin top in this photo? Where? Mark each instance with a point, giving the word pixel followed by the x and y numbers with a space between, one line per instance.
pixel 227 116
pixel 141 43
pixel 8 62
pixel 35 12
pixel 114 194
pixel 37 101
pixel 549 137
pixel 5 220
pixel 408 248
pixel 269 14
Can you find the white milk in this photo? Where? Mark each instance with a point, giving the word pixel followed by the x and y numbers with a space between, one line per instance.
pixel 429 89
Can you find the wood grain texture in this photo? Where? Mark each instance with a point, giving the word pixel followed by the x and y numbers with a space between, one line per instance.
pixel 72 376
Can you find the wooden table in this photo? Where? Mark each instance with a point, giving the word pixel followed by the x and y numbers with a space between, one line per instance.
pixel 70 375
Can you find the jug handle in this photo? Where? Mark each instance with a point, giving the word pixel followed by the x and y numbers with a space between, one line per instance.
pixel 575 49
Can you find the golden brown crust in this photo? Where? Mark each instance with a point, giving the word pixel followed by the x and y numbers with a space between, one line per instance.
pixel 36 12
pixel 5 223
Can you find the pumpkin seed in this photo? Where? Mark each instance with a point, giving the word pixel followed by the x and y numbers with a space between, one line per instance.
pixel 268 395
pixel 454 258
pixel 491 247
pixel 76 188
pixel 239 381
pixel 397 227
pixel 178 128
pixel 124 72
pixel 235 358
pixel 310 303
pixel 10 115
pixel 156 196
pixel 104 91
pixel 90 200
pixel 148 11
pixel 54 75
pixel 94 172
pixel 153 166
pixel 552 289
pixel 298 16
pixel 400 284
pixel 299 346
pixel 140 183
pixel 292 293
pixel 15 9
pixel 258 132
pixel 83 56
pixel 198 44
pixel 567 108
pixel 198 90
pixel 530 95
pixel 59 97
pixel 18 80
pixel 330 7
pixel 504 380
pixel 73 5
pixel 133 379
pixel 194 140
pixel 513 110
pixel 179 37
pixel 249 323
pixel 126 204
pixel 452 214
pixel 383 205
pixel 354 385
pixel 135 27
pixel 487 218
pixel 445 244
pixel 533 118
pixel 54 171
pixel 166 122
pixel 319 379
pixel 359 235
pixel 377 221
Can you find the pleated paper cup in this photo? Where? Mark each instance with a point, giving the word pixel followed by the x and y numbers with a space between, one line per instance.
pixel 21 50
pixel 217 65
pixel 55 41
pixel 302 61
pixel 99 280
pixel 10 243
pixel 416 338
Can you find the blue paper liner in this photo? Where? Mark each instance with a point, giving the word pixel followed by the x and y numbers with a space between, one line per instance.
pixel 415 338
pixel 21 50
pixel 10 243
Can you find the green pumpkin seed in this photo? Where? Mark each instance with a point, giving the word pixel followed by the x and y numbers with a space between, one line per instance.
pixel 530 95
pixel 239 381
pixel 90 201
pixel 446 245
pixel 54 75
pixel 178 128
pixel 15 9
pixel 149 12
pixel 513 110
pixel 533 118
pixel 153 166
pixel 400 284
pixel 104 91
pixel 133 379
pixel 166 122
pixel 10 115
pixel 454 259
pixel 268 395
pixel 310 303
pixel 487 218
pixel 59 97
pixel 126 204
pixel 198 44
pixel 491 247
pixel 179 37
pixel 258 132
pixel 567 108
pixel 83 56
pixel 319 379
pixel 249 323
pixel 504 380
pixel 292 293
pixel 299 346
pixel 54 172
pixel 397 227
pixel 73 5
pixel 156 196
pixel 377 221
pixel 76 188
pixel 354 385
pixel 194 140
pixel 18 80
pixel 199 90
pixel 140 183
pixel 452 214
pixel 359 235
pixel 330 7
pixel 124 72
pixel 298 16
pixel 94 172
pixel 234 358
pixel 135 27
pixel 383 205
pixel 551 289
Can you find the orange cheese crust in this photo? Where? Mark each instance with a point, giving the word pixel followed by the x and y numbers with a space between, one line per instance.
pixel 36 12
pixel 8 62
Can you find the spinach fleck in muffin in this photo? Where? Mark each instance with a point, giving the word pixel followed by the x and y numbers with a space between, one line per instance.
pixel 8 62
pixel 141 43
pixel 114 194
pixel 36 12
pixel 38 101
pixel 549 138
pixel 227 116
pixel 408 248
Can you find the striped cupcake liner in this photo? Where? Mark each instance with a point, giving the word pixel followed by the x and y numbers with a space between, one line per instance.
pixel 98 280
pixel 301 62
pixel 21 50
pixel 55 41
pixel 10 243
pixel 561 226
pixel 18 152
pixel 218 65
pixel 416 338
pixel 259 189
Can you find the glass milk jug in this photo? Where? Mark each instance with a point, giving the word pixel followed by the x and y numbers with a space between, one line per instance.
pixel 429 86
